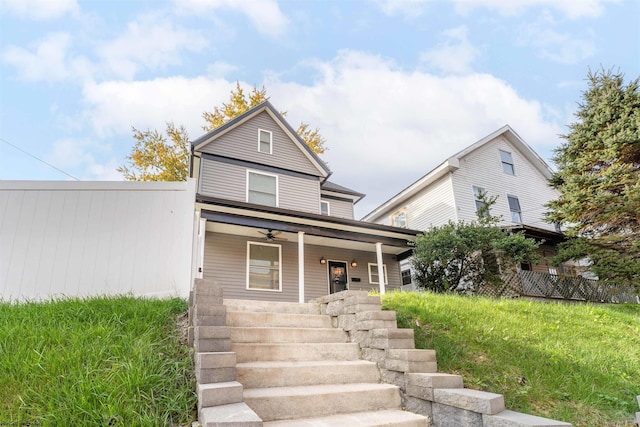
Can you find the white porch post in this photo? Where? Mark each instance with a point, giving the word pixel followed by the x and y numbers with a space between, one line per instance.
pixel 201 235
pixel 380 267
pixel 195 246
pixel 301 266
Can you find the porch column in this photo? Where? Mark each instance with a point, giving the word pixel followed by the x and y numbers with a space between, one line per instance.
pixel 195 246
pixel 380 267
pixel 301 266
pixel 201 236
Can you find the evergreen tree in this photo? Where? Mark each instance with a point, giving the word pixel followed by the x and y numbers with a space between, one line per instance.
pixel 599 180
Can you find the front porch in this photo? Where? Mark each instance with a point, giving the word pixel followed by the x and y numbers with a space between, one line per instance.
pixel 314 255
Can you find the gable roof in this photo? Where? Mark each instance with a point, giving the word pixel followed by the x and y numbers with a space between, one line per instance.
pixel 453 163
pixel 265 106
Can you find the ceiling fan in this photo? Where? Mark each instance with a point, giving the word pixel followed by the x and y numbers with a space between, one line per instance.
pixel 273 235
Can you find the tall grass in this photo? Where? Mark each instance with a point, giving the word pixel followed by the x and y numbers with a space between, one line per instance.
pixel 94 362
pixel 578 363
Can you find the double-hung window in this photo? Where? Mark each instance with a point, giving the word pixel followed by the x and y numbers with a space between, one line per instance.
pixel 374 278
pixel 262 188
pixel 399 219
pixel 265 141
pixel 324 208
pixel 478 194
pixel 507 162
pixel 264 266
pixel 514 207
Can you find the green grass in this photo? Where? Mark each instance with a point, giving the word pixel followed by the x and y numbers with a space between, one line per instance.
pixel 95 362
pixel 578 363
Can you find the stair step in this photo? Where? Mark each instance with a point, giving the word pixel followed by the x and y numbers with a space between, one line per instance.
pixel 214 394
pixel 282 335
pixel 271 306
pixel 395 418
pixel 283 374
pixel 287 352
pixel 234 414
pixel 278 320
pixel 281 403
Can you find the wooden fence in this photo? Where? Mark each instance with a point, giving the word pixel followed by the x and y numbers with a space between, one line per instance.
pixel 542 285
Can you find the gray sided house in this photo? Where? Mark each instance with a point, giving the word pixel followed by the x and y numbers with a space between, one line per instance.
pixel 270 224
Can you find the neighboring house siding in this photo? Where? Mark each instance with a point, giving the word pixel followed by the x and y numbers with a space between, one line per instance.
pixel 242 143
pixel 432 207
pixel 340 208
pixel 228 181
pixel 225 262
pixel 483 168
pixel 60 238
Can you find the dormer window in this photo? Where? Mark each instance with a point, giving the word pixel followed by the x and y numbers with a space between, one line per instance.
pixel 507 162
pixel 265 141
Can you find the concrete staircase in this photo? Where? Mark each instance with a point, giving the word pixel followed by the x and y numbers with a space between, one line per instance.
pixel 340 361
pixel 298 370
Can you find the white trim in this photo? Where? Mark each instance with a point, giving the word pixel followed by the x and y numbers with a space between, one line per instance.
pixel 301 267
pixel 328 207
pixel 270 141
pixel 253 171
pixel 249 243
pixel 374 264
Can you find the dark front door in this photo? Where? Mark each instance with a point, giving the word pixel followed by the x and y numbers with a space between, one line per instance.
pixel 337 276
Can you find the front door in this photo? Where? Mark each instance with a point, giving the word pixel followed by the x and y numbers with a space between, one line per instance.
pixel 337 276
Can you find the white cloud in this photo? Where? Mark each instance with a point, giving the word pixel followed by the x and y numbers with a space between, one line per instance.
pixel 115 106
pixel 455 55
pixel 151 42
pixel 264 14
pixel 560 47
pixel 39 10
pixel 384 126
pixel 46 61
pixel 572 9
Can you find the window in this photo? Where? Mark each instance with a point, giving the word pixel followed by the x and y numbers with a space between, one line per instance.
pixel 264 141
pixel 507 162
pixel 373 273
pixel 264 266
pixel 324 208
pixel 399 219
pixel 406 277
pixel 262 189
pixel 479 193
pixel 514 207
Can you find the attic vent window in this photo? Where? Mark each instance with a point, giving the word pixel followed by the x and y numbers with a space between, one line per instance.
pixel 507 162
pixel 265 139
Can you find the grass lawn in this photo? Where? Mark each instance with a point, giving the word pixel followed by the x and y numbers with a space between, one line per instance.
pixel 578 363
pixel 95 362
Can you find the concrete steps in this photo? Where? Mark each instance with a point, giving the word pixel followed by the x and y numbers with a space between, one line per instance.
pixel 358 419
pixel 298 370
pixel 300 373
pixel 282 403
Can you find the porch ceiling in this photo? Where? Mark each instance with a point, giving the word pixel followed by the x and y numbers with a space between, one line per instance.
pixel 292 237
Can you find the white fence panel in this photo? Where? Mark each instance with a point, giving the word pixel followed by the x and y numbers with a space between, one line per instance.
pixel 65 238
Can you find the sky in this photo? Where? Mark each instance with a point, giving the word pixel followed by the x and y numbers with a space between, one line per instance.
pixel 395 87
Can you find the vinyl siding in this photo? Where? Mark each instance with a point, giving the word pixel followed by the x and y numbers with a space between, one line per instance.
pixel 483 168
pixel 242 143
pixel 432 206
pixel 225 262
pixel 340 209
pixel 227 181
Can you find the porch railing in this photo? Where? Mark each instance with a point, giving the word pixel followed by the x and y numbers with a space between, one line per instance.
pixel 542 285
